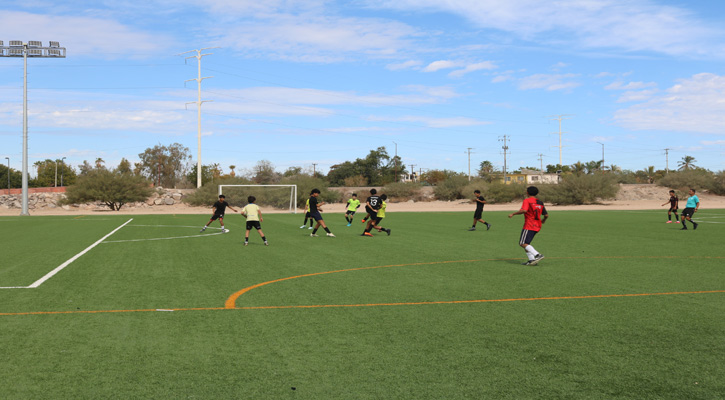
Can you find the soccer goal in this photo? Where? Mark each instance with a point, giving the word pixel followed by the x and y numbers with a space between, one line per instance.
pixel 277 196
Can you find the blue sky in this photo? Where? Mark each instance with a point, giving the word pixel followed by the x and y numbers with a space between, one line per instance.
pixel 303 82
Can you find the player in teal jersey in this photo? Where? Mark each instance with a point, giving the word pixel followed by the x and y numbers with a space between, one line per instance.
pixel 693 203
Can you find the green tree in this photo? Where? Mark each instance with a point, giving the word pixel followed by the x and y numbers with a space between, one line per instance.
pixel 16 177
pixel 165 165
pixel 264 173
pixel 552 169
pixel 207 174
pixel 112 188
pixel 49 170
pixel 124 167
pixel 687 163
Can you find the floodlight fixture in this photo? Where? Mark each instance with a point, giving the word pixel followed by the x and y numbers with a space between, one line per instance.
pixel 16 43
pixel 55 53
pixel 35 43
pixel 16 52
pixel 54 44
pixel 35 52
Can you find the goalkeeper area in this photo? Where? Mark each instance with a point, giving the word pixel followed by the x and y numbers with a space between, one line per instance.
pixel 275 196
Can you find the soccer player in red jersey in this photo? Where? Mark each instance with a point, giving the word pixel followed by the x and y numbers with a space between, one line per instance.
pixel 533 210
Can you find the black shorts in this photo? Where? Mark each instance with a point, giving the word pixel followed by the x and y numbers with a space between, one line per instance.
pixel 527 236
pixel 307 214
pixel 377 220
pixel 316 215
pixel 672 209
pixel 688 212
pixel 350 213
pixel 253 224
pixel 373 214
pixel 217 216
pixel 478 214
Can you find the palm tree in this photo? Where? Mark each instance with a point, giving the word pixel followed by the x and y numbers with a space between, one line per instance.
pixel 99 163
pixel 232 168
pixel 687 163
pixel 578 168
pixel 650 172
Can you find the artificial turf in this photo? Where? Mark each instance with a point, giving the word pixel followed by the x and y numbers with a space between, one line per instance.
pixel 623 306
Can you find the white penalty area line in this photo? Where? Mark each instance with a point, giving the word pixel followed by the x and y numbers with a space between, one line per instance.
pixel 67 263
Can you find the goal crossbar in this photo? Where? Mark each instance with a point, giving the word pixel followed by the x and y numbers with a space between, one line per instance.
pixel 292 198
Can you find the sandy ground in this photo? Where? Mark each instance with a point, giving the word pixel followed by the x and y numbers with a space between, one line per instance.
pixel 631 197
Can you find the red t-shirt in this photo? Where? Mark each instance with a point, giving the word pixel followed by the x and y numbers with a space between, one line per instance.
pixel 534 210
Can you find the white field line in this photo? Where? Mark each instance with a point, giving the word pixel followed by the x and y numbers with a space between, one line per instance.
pixel 75 257
pixel 164 238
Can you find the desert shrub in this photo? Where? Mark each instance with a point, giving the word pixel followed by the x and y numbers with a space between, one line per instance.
pixel 684 180
pixel 580 189
pixel 208 194
pixel 401 191
pixel 451 188
pixel 498 192
pixel 717 186
pixel 111 188
pixel 625 176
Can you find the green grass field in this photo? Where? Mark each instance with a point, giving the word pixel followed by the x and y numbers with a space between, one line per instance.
pixel 623 306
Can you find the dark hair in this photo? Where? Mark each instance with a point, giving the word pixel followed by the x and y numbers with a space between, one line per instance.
pixel 384 196
pixel 315 191
pixel 251 199
pixel 221 196
pixel 354 194
pixel 672 191
pixel 373 191
pixel 477 191
pixel 532 190
pixel 693 190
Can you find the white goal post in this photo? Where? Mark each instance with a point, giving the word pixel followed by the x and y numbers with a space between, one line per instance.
pixel 292 196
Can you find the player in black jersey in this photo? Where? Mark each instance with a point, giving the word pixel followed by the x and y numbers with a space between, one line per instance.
pixel 219 208
pixel 478 214
pixel 315 214
pixel 372 205
pixel 674 202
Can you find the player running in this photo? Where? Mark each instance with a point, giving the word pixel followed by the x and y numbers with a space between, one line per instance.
pixel 307 215
pixel 254 218
pixel 674 202
pixel 381 215
pixel 533 209
pixel 315 213
pixel 372 205
pixel 219 208
pixel 352 205
pixel 480 201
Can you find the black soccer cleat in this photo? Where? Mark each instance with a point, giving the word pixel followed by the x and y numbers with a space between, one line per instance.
pixel 388 231
pixel 694 225
pixel 488 226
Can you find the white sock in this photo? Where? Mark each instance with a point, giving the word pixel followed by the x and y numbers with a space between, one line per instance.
pixel 531 252
pixel 222 227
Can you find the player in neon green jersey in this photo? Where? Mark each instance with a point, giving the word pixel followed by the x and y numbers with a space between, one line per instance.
pixel 352 205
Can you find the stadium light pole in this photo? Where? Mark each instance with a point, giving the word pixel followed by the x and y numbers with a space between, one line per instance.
pixel 33 49
pixel 8 158
pixel 61 172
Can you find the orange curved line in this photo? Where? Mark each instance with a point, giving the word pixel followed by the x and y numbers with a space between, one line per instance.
pixel 232 300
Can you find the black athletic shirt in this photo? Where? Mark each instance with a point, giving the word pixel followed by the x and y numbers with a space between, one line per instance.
pixel 479 205
pixel 313 204
pixel 673 201
pixel 375 202
pixel 221 207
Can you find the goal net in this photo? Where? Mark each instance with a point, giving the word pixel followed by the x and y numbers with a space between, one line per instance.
pixel 276 196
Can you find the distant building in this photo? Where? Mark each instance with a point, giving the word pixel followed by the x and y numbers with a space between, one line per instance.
pixel 529 177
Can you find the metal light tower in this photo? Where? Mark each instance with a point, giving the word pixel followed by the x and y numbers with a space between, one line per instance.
pixel 559 118
pixel 62 160
pixel 34 49
pixel 469 163
pixel 8 158
pixel 198 102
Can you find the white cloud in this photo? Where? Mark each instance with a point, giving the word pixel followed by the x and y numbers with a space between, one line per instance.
pixel 636 25
pixel 404 65
pixel 619 85
pixel 695 104
pixel 441 64
pixel 486 65
pixel 548 82
pixel 91 37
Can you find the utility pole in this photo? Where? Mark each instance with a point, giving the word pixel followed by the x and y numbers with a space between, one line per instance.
pixel 505 149
pixel 314 169
pixel 667 161
pixel 559 118
pixel 412 172
pixel 198 102
pixel 541 159
pixel 602 167
pixel 395 178
pixel 33 49
pixel 469 163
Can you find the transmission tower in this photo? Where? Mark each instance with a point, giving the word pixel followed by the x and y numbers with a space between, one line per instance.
pixel 559 118
pixel 505 149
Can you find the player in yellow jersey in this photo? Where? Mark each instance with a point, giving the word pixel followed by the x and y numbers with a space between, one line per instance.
pixel 352 205
pixel 254 218
pixel 307 216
